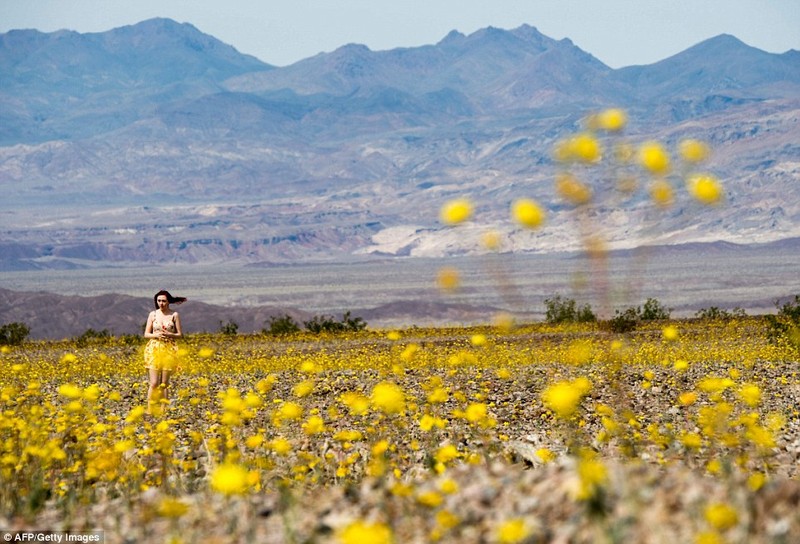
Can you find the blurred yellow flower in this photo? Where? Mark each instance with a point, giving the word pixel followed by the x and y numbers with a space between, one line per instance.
pixel 478 340
pixel 492 240
pixel 612 119
pixel 313 425
pixel 290 411
pixel 475 412
pixel 545 455
pixel 572 189
pixel 705 189
pixel 582 147
pixel 362 532
pixel 564 397
pixel 205 353
pixel 280 445
pixel 303 388
pixel 388 398
pixel 448 279
pixel 456 211
pixel 528 213
pixel 229 479
pixel 512 531
pixel 661 193
pixel 170 507
pixel 70 391
pixel 654 158
pixel 446 453
pixel 670 333
pixel 693 151
pixel 750 394
pixel 431 499
pixel 721 516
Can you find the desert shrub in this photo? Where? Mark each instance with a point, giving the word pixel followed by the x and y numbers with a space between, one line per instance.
pixel 565 310
pixel 785 326
pixel 653 310
pixel 90 336
pixel 325 323
pixel 714 313
pixel 13 334
pixel 625 321
pixel 228 329
pixel 281 325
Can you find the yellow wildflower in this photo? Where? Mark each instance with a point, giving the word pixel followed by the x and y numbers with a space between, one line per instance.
pixel 456 211
pixel 512 531
pixel 750 394
pixel 362 532
pixel 612 119
pixel 721 516
pixel 563 398
pixel 448 279
pixel 693 151
pixel 528 213
pixel 313 425
pixel 705 189
pixel 670 333
pixel 388 397
pixel 573 190
pixel 662 194
pixel 229 479
pixel 654 158
pixel 170 507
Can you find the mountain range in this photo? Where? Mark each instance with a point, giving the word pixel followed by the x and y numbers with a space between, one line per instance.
pixel 157 143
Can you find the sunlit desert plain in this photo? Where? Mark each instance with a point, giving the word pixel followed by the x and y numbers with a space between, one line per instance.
pixel 686 431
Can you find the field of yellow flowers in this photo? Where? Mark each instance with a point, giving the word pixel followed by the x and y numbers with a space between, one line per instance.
pixel 686 431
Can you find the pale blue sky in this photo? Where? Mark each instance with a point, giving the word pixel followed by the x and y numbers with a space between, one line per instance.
pixel 280 32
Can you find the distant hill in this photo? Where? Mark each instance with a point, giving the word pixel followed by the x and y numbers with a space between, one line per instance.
pixel 158 143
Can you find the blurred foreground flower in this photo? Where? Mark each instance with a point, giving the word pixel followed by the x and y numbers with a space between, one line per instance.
pixel 612 119
pixel 388 398
pixel 653 157
pixel 564 397
pixel 229 479
pixel 693 151
pixel 361 532
pixel 528 213
pixel 456 211
pixel 448 279
pixel 705 189
pixel 512 531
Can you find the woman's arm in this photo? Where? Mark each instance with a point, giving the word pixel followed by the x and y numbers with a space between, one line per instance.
pixel 148 329
pixel 178 330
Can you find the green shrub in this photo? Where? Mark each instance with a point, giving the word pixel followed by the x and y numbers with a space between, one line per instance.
pixel 715 313
pixel 785 326
pixel 653 310
pixel 228 329
pixel 625 321
pixel 325 323
pixel 281 325
pixel 90 336
pixel 566 310
pixel 13 334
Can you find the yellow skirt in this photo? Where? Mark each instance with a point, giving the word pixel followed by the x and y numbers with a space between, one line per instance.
pixel 161 354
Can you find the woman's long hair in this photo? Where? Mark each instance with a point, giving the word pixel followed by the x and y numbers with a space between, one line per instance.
pixel 170 298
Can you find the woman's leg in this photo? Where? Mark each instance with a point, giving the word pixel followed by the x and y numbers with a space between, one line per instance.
pixel 165 375
pixel 153 391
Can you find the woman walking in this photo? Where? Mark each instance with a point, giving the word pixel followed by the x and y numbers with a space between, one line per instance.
pixel 161 352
